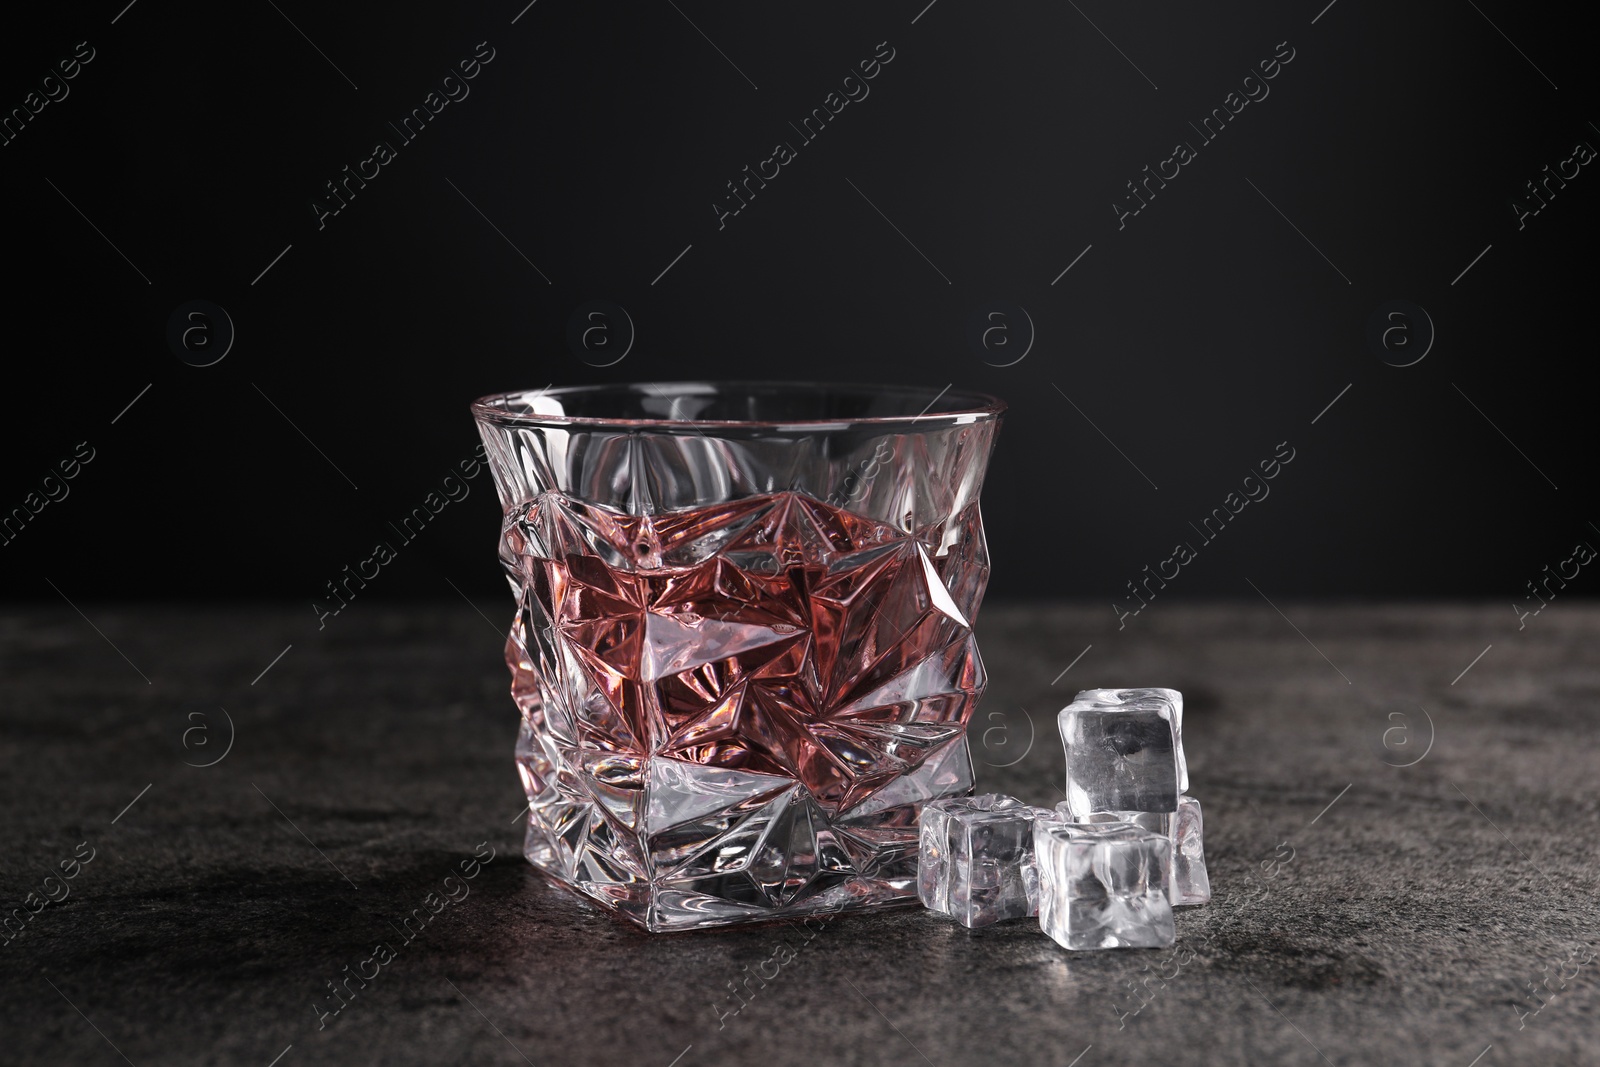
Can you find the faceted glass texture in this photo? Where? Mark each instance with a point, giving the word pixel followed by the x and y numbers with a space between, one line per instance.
pixel 977 861
pixel 743 648
pixel 1120 756
pixel 1103 885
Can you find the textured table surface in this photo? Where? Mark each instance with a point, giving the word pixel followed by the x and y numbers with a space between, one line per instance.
pixel 1398 858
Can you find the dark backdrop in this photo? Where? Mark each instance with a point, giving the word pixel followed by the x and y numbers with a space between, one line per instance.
pixel 1184 344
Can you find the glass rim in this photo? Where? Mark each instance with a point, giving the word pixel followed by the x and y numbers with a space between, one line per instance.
pixel 968 406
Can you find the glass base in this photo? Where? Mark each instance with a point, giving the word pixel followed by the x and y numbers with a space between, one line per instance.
pixel 716 847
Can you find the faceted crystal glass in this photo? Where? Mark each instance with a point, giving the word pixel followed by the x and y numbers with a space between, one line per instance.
pixel 743 647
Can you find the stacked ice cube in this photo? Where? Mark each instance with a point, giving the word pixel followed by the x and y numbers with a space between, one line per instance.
pixel 1106 867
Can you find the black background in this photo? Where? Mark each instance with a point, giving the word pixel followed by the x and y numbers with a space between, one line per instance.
pixel 1196 338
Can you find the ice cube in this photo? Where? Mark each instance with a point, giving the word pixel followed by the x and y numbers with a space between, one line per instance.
pixel 1187 882
pixel 975 862
pixel 1171 697
pixel 1157 822
pixel 1121 756
pixel 1191 884
pixel 1102 885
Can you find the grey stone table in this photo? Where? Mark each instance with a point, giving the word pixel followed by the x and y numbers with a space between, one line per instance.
pixel 1401 854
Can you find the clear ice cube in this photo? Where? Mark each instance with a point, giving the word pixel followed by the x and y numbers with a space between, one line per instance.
pixel 1122 755
pixel 975 862
pixel 1187 881
pixel 1171 697
pixel 1191 884
pixel 1157 822
pixel 1103 885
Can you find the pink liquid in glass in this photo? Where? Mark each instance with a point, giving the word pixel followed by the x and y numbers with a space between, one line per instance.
pixel 738 710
